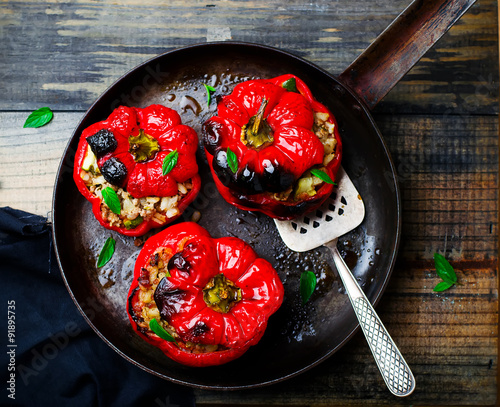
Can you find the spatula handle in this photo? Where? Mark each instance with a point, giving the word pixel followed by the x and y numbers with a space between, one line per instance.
pixel 395 371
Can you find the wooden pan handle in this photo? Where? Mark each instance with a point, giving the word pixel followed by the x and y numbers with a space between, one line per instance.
pixel 394 52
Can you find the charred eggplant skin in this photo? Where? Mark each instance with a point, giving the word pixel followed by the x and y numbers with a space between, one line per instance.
pixel 102 142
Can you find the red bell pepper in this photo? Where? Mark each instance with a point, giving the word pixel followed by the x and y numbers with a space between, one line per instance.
pixel 266 138
pixel 127 153
pixel 211 297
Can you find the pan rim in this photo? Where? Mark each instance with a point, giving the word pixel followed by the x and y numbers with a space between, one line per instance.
pixel 391 262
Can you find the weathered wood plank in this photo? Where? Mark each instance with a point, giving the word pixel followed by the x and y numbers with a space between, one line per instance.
pixel 448 173
pixel 447 78
pixel 29 159
pixel 78 49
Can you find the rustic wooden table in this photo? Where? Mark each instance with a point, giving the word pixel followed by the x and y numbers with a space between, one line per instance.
pixel 440 123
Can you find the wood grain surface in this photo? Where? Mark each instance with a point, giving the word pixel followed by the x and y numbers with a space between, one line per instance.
pixel 440 124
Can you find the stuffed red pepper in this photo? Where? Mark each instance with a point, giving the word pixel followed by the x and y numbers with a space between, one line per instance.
pixel 202 301
pixel 138 168
pixel 273 148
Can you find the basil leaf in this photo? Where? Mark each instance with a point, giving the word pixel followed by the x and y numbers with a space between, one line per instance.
pixel 442 286
pixel 290 85
pixel 106 252
pixel 160 331
pixel 444 269
pixel 232 160
pixel 322 175
pixel 307 285
pixel 111 199
pixel 209 89
pixel 170 161
pixel 39 118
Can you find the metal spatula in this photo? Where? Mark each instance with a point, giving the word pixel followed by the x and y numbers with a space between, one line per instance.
pixel 343 212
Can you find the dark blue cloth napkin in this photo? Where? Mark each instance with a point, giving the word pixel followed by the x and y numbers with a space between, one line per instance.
pixel 50 356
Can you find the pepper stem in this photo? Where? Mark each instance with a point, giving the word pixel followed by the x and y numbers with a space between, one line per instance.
pixel 221 294
pixel 143 147
pixel 259 117
pixel 257 133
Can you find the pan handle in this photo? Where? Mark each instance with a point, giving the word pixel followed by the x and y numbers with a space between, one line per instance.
pixel 394 52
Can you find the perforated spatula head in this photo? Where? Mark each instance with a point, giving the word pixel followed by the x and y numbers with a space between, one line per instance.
pixel 342 212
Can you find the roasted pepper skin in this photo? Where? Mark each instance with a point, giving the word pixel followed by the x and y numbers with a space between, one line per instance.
pixel 144 178
pixel 198 259
pixel 274 167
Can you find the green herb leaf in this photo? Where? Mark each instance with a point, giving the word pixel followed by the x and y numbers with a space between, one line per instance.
pixel 209 89
pixel 290 85
pixel 444 269
pixel 160 331
pixel 39 118
pixel 170 161
pixel 442 286
pixel 106 252
pixel 322 175
pixel 111 199
pixel 307 285
pixel 232 160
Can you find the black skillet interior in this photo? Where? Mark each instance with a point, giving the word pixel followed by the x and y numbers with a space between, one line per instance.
pixel 310 333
